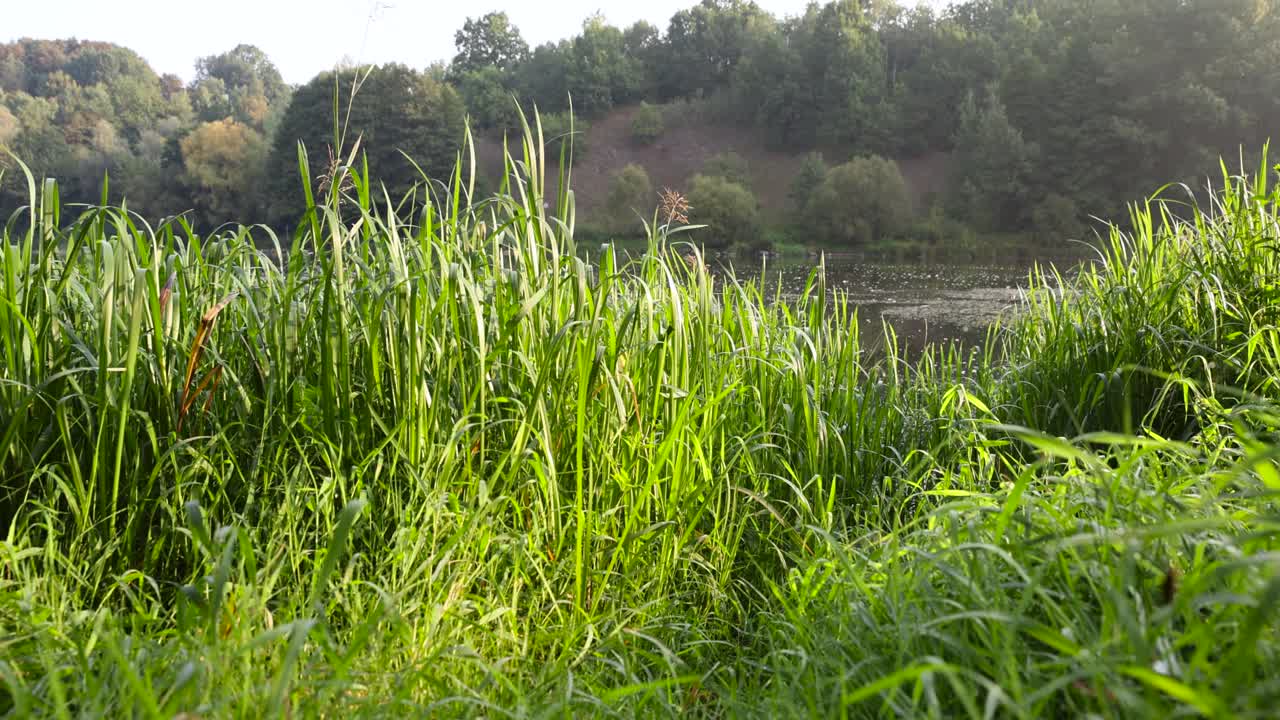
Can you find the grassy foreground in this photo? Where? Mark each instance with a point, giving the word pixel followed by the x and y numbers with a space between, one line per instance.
pixel 433 464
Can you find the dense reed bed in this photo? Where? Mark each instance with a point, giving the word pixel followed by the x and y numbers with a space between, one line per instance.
pixel 421 459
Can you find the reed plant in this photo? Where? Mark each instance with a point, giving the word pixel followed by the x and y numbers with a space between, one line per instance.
pixel 419 458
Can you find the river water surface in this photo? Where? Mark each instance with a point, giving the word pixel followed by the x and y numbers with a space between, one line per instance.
pixel 925 302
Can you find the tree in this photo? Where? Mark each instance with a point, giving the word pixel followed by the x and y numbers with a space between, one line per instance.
pixel 648 124
pixel 211 100
pixel 729 210
pixel 103 63
pixel 221 160
pixel 137 103
pixel 642 43
pixel 542 81
pixel 804 186
pixel 706 42
pixel 241 83
pixel 145 178
pixel 489 41
pixel 769 86
pixel 845 63
pixel 245 67
pixel 933 64
pixel 13 74
pixel 9 127
pixel 630 197
pixel 813 171
pixel 601 74
pixel 39 142
pixel 991 167
pixel 405 121
pixel 861 202
pixel 489 100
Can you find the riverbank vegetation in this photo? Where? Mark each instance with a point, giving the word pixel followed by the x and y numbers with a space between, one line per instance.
pixel 1024 119
pixel 428 461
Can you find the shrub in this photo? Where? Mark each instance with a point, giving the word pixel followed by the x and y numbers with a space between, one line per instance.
pixel 861 202
pixel 729 210
pixel 716 109
pixel 648 124
pixel 630 192
pixel 813 170
pixel 731 166
pixel 9 125
pixel 1057 217
pixel 559 131
pixel 937 229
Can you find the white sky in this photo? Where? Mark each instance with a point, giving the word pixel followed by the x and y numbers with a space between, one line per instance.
pixel 305 37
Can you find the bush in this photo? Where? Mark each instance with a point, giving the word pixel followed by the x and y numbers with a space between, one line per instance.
pixel 716 109
pixel 630 193
pixel 1057 217
pixel 648 124
pixel 559 131
pixel 937 229
pixel 813 170
pixel 731 166
pixel 729 210
pixel 861 202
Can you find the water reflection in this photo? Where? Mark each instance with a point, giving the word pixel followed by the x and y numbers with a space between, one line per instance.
pixel 933 301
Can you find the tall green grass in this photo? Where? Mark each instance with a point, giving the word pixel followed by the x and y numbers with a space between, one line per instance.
pixel 422 459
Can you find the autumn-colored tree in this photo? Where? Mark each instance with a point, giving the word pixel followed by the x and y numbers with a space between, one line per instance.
pixel 223 161
pixel 9 127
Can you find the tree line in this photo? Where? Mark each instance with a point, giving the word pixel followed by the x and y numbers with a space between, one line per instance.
pixel 1045 110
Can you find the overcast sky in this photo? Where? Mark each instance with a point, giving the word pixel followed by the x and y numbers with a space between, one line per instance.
pixel 305 37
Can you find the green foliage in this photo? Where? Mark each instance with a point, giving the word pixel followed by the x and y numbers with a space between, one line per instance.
pixel 631 199
pixel 992 167
pixel 104 64
pixel 729 210
pixel 221 158
pixel 706 42
pixel 937 229
pixel 648 124
pixel 643 43
pixel 241 83
pixel 490 41
pixel 812 173
pixel 1068 98
pixel 728 165
pixel 601 73
pixel 408 124
pixel 9 127
pixel 489 101
pixel 1057 218
pixel 564 134
pixel 434 461
pixel 598 69
pixel 84 110
pixel 543 79
pixel 861 202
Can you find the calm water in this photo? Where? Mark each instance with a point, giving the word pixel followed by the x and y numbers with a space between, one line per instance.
pixel 925 302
